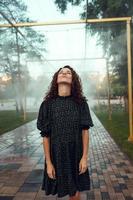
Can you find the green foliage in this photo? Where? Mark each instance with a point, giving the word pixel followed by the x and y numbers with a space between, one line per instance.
pixel 111 36
pixel 100 8
pixel 17 45
pixel 62 4
pixel 117 127
pixel 30 45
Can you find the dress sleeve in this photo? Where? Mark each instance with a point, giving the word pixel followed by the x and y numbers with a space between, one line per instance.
pixel 43 123
pixel 85 118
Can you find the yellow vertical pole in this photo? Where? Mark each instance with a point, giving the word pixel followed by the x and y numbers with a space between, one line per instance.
pixel 130 138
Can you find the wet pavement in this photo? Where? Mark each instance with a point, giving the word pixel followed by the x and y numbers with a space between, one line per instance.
pixel 22 162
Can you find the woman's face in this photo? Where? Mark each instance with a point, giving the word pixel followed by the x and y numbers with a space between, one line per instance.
pixel 64 76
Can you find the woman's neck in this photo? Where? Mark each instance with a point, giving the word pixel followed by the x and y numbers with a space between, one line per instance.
pixel 64 90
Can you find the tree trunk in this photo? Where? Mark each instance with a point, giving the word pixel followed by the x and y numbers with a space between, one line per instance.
pixel 13 86
pixel 126 104
pixel 19 77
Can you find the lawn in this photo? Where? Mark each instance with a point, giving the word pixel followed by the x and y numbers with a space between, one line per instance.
pixel 118 128
pixel 9 120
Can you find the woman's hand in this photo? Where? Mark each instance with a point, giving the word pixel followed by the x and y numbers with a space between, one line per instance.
pixel 51 170
pixel 83 165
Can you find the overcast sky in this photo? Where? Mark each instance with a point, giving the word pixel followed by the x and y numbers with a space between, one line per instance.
pixel 45 10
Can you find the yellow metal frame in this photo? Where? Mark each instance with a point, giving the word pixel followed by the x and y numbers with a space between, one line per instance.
pixel 128 27
pixel 130 103
pixel 68 22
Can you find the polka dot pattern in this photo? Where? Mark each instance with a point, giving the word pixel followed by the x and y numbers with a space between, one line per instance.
pixel 62 120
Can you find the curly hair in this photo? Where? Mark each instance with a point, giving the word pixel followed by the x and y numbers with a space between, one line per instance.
pixel 76 87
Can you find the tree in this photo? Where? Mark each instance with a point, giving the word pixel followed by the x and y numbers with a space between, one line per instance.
pixel 100 8
pixel 17 45
pixel 110 35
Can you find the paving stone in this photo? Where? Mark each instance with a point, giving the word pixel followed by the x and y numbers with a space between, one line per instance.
pixel 21 166
pixel 6 197
pixel 120 196
pixel 117 188
pixel 35 176
pixel 102 182
pixel 129 198
pixel 122 186
pixel 29 187
pixel 11 166
pixel 25 196
pixel 90 195
pixel 97 194
pixel 9 190
pixel 105 196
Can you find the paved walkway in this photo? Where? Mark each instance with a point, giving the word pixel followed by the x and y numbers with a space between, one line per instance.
pixel 21 166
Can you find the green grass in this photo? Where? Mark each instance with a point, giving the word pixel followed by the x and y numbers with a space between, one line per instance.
pixel 9 120
pixel 6 100
pixel 118 128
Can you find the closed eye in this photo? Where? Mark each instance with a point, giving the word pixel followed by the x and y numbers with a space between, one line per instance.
pixel 66 72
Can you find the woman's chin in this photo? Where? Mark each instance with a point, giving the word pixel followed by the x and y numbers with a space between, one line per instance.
pixel 64 82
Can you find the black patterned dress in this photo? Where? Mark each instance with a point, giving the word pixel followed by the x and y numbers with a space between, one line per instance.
pixel 62 119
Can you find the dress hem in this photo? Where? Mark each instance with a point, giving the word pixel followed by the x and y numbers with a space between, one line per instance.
pixel 65 194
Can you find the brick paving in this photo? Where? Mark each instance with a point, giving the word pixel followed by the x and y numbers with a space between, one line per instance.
pixel 22 162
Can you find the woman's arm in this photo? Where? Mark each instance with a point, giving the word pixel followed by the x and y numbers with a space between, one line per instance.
pixel 46 147
pixel 85 140
pixel 83 162
pixel 50 167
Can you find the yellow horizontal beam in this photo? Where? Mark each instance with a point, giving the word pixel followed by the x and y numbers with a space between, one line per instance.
pixel 68 59
pixel 67 22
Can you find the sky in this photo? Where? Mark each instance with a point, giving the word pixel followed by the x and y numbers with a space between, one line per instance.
pixel 47 11
pixel 64 41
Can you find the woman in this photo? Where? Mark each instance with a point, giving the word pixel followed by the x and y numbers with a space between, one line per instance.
pixel 64 119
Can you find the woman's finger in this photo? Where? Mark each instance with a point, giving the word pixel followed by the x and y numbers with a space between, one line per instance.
pixel 80 169
pixel 50 175
pixel 83 169
pixel 80 166
pixel 53 173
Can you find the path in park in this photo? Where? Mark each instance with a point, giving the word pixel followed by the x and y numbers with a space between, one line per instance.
pixel 22 162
